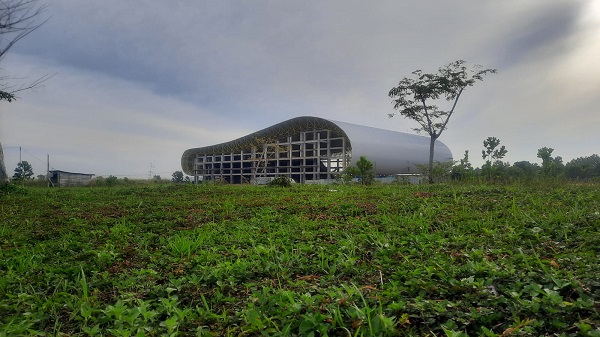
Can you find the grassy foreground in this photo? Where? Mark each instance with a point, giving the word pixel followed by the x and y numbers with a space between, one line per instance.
pixel 307 261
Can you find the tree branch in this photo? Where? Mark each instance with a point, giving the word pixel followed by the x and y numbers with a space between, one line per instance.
pixel 33 85
pixel 429 129
pixel 12 15
pixel 451 111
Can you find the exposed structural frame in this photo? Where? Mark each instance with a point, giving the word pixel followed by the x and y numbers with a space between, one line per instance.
pixel 303 148
pixel 308 149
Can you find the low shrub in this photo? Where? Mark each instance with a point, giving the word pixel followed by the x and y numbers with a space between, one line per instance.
pixel 281 181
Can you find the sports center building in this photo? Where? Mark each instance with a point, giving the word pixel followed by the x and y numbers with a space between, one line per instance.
pixel 309 149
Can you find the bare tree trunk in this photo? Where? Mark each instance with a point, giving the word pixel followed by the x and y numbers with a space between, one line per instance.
pixel 431 150
pixel 3 174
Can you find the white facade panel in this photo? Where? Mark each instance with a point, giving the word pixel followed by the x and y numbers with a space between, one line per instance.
pixel 391 152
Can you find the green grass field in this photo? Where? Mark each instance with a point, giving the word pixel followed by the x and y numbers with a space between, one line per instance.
pixel 183 260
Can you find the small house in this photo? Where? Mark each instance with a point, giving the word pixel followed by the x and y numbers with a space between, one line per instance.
pixel 67 179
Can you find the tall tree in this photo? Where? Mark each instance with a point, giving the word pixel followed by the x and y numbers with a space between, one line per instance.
pixel 523 170
pixel 552 167
pixel 17 20
pixel 583 167
pixel 463 168
pixel 492 155
pixel 24 171
pixel 416 98
pixel 365 167
pixel 177 177
pixel 492 152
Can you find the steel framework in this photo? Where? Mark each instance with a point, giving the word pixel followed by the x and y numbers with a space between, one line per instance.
pixel 308 149
pixel 303 148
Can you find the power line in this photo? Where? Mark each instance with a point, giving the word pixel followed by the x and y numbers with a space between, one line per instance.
pixel 31 154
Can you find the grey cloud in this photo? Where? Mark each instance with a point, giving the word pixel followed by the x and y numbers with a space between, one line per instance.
pixel 235 67
pixel 532 31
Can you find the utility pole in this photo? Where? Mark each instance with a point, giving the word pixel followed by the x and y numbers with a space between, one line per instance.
pixel 22 170
pixel 48 169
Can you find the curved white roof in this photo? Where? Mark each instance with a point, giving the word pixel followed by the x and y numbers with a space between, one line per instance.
pixel 391 152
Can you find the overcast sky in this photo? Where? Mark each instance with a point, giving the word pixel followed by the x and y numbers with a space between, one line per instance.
pixel 139 82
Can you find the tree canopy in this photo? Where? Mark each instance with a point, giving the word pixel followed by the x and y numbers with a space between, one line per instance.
pixel 492 152
pixel 23 171
pixel 177 177
pixel 583 167
pixel 418 97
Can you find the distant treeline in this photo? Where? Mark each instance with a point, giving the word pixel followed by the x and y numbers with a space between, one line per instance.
pixel 582 168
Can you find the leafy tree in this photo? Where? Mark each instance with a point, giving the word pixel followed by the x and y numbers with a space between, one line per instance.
pixel 362 170
pixel 42 177
pixel 111 180
pixel 156 178
pixel 24 171
pixel 17 20
pixel 552 167
pixel 365 170
pixel 557 167
pixel 416 98
pixel 492 156
pixel 177 177
pixel 545 154
pixel 492 152
pixel 499 170
pixel 523 170
pixel 99 181
pixel 583 167
pixel 463 169
pixel 440 172
pixel 350 173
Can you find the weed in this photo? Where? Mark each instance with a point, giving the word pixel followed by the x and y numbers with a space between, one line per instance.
pixel 184 244
pixel 311 260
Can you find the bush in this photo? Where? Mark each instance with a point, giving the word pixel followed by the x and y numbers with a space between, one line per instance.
pixel 281 181
pixel 111 181
pixel 363 171
pixel 7 188
pixel 350 173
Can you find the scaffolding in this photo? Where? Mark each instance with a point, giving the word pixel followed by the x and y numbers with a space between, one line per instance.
pixel 304 156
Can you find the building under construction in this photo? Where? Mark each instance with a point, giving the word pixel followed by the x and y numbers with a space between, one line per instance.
pixel 309 149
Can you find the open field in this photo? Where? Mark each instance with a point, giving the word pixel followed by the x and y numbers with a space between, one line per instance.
pixel 308 260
